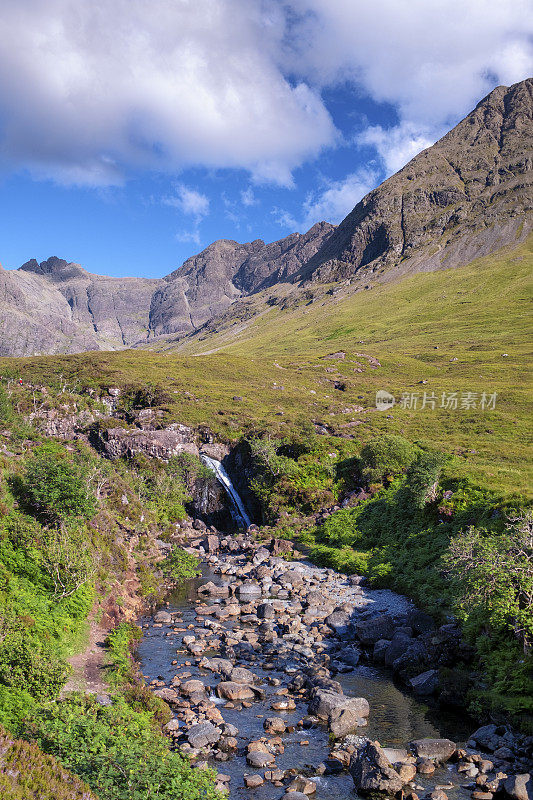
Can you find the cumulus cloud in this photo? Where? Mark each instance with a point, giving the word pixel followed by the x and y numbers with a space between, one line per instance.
pixel 432 61
pixel 91 90
pixel 332 203
pixel 398 145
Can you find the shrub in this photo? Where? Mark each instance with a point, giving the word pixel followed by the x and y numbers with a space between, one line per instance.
pixel 386 457
pixel 57 485
pixel 118 751
pixel 180 565
pixel 31 666
pixel 422 478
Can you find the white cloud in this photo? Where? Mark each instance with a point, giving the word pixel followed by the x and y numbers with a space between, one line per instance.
pixel 189 201
pixel 91 90
pixel 332 204
pixel 398 145
pixel 248 197
pixel 432 60
pixel 187 237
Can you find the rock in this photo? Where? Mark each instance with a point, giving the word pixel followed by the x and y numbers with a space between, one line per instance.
pixel 192 687
pixel 369 631
pixel 519 787
pixel 294 796
pixel 230 690
pixel 253 781
pixel 163 617
pixel 203 734
pixel 274 725
pixel 372 773
pixel 213 590
pixel 303 785
pixel 258 758
pixel 172 726
pixel 265 611
pixel 168 695
pixel 249 590
pixel 241 675
pixel 426 683
pixel 324 702
pixel 338 622
pixel 440 750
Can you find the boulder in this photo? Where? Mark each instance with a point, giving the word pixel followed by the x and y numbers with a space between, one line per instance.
pixel 372 773
pixel 249 590
pixel 230 690
pixel 241 675
pixel 440 750
pixel 426 683
pixel 338 622
pixel 203 734
pixel 257 758
pixel 274 725
pixel 163 617
pixel 519 787
pixel 323 702
pixel 369 631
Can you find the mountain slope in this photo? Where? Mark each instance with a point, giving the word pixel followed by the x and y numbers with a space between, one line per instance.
pixel 467 196
pixel 462 198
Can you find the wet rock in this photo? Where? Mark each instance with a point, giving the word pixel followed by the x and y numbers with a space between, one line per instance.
pixel 274 725
pixel 426 683
pixel 294 796
pixel 253 781
pixel 258 758
pixel 372 773
pixel 323 702
pixel 249 590
pixel 192 687
pixel 519 787
pixel 425 766
pixel 230 690
pixel 241 675
pixel 203 734
pixel 168 695
pixel 440 750
pixel 369 631
pixel 212 590
pixel 163 617
pixel 303 785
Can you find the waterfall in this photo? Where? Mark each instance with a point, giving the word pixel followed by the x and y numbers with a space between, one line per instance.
pixel 239 511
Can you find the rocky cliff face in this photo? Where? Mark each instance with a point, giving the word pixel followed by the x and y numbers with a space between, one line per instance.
pixel 462 198
pixel 466 196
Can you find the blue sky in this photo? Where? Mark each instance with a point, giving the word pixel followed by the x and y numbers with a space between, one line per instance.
pixel 135 132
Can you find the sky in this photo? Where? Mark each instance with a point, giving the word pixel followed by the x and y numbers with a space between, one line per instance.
pixel 133 133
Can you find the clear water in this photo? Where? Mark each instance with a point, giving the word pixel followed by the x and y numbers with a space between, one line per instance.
pixel 395 716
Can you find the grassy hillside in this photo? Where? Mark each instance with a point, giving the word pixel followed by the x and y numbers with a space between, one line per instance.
pixel 462 330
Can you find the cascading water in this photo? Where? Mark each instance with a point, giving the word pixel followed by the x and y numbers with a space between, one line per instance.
pixel 238 509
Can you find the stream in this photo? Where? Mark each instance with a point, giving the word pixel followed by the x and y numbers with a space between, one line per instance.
pixel 243 629
pixel 395 716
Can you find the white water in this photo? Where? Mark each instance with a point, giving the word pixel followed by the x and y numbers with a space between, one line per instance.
pixel 238 506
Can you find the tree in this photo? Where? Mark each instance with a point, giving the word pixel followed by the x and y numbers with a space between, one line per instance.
pixel 57 485
pixel 386 457
pixel 495 575
pixel 66 559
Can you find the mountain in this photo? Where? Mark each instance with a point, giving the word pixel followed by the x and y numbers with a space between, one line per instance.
pixel 465 197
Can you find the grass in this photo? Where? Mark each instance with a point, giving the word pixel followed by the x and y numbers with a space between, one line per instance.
pixel 460 330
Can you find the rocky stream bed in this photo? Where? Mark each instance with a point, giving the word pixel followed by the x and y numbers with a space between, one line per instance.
pixel 278 674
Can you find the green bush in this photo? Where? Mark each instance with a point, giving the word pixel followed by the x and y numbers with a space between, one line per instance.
pixel 27 665
pixel 180 565
pixel 118 751
pixel 386 457
pixel 56 484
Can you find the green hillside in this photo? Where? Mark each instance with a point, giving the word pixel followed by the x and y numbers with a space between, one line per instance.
pixel 462 330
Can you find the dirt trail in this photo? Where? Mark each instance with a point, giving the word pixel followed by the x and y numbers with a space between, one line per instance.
pixel 88 666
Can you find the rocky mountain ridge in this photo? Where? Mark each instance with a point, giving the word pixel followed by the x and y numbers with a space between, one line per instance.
pixel 466 196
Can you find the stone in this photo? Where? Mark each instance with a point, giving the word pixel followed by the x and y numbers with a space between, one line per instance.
pixel 241 675
pixel 249 590
pixel 258 758
pixel 426 683
pixel 163 617
pixel 519 787
pixel 274 725
pixel 371 630
pixel 168 695
pixel 303 785
pixel 439 750
pixel 203 734
pixel 372 773
pixel 253 781
pixel 230 690
pixel 192 687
